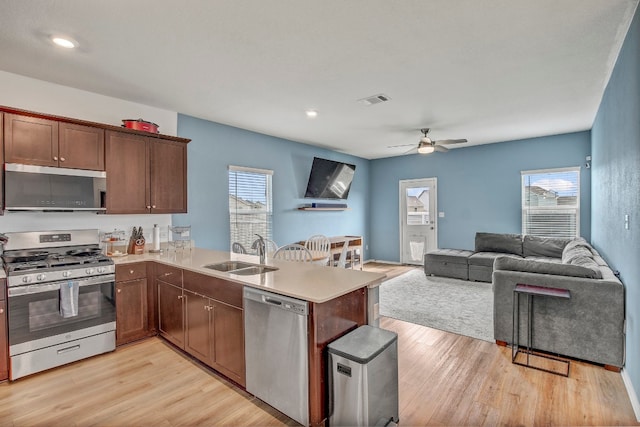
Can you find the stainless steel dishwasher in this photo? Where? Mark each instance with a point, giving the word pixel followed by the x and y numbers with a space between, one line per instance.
pixel 276 349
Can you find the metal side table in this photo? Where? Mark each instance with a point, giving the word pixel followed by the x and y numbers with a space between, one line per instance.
pixel 532 291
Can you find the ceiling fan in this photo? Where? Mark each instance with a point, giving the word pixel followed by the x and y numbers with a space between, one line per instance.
pixel 427 145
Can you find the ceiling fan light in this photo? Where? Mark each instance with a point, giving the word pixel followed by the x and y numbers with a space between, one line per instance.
pixel 426 149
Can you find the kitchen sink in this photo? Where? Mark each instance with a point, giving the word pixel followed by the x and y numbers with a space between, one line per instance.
pixel 241 268
pixel 258 269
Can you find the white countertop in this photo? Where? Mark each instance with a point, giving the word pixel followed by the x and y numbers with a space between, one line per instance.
pixel 305 281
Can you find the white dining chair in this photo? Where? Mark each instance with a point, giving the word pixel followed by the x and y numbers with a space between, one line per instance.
pixel 237 248
pixel 320 248
pixel 269 245
pixel 293 252
pixel 342 261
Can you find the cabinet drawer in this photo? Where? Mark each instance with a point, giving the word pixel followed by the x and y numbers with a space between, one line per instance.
pixel 169 274
pixel 137 270
pixel 213 287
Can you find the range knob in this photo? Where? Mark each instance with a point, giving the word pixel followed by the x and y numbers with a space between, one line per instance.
pixel 101 269
pixel 66 273
pixel 40 277
pixel 89 271
pixel 26 279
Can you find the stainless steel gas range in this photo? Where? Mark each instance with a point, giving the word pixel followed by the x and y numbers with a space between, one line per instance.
pixel 61 302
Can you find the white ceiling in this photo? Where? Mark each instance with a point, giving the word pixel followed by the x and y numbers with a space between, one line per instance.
pixel 488 71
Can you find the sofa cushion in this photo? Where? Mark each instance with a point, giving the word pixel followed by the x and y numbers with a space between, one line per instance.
pixel 544 259
pixel 575 252
pixel 495 242
pixel 486 258
pixel 543 246
pixel 454 256
pixel 515 264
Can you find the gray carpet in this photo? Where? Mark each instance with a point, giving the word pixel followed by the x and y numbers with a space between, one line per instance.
pixel 451 305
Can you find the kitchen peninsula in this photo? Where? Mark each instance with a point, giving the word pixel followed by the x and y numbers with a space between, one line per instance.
pixel 200 310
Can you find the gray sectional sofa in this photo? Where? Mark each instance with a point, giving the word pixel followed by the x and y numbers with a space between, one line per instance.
pixel 589 325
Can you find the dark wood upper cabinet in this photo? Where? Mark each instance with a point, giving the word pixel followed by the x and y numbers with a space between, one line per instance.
pixel 145 175
pixel 30 140
pixel 168 176
pixel 80 147
pixel 43 142
pixel 127 173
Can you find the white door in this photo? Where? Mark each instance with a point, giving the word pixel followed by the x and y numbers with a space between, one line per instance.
pixel 418 226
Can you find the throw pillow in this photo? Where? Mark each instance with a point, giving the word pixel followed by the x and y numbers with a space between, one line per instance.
pixel 497 242
pixel 575 252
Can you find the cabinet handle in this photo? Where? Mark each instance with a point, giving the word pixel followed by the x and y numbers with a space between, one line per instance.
pixel 208 307
pixel 131 271
pixel 1 310
pixel 62 159
pixel 55 158
pixel 119 290
pixel 180 296
pixel 148 207
pixel 167 274
pixel 153 206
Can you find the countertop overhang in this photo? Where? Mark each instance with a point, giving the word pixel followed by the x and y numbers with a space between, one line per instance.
pixel 309 282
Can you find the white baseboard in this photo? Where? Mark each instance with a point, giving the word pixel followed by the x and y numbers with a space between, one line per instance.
pixel 635 403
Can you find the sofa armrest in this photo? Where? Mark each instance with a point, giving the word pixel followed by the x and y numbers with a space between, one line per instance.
pixel 589 325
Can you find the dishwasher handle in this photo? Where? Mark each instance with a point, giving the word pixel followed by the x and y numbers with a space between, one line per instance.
pixel 270 300
pixel 281 302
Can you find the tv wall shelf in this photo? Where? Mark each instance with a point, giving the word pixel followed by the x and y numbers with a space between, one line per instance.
pixel 309 208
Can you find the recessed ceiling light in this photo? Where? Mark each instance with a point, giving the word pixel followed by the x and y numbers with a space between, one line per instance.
pixel 64 42
pixel 311 113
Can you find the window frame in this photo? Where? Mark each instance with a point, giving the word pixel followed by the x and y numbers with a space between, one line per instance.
pixel 526 211
pixel 267 210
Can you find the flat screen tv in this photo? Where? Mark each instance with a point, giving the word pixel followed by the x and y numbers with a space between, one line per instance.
pixel 329 179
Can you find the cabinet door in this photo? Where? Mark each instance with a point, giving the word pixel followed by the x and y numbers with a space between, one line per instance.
pixel 228 346
pixel 131 310
pixel 168 164
pixel 197 335
pixel 81 147
pixel 30 140
pixel 171 313
pixel 4 342
pixel 127 174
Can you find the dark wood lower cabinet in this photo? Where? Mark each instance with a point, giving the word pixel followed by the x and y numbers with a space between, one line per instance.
pixel 132 313
pixel 214 334
pixel 197 333
pixel 228 350
pixel 131 310
pixel 171 313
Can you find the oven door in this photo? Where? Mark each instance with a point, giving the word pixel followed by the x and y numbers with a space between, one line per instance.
pixel 35 320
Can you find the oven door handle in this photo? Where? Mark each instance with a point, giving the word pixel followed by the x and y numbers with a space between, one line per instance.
pixel 48 287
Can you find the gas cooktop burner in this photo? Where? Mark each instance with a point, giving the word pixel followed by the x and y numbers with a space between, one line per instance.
pixel 56 257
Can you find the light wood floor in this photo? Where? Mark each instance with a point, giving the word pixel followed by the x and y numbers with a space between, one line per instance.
pixel 445 379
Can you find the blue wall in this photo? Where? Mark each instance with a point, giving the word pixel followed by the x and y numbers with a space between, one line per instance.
pixel 616 182
pixel 214 147
pixel 478 188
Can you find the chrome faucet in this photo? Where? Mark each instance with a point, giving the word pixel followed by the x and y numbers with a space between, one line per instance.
pixel 260 246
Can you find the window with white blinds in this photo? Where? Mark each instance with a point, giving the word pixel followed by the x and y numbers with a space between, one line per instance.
pixel 250 204
pixel 551 202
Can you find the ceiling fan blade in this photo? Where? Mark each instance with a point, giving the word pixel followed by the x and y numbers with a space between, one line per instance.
pixel 451 141
pixel 401 145
pixel 441 149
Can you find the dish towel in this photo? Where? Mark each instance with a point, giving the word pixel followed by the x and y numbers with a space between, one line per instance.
pixel 69 299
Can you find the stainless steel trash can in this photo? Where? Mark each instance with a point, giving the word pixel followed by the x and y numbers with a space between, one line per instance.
pixel 363 378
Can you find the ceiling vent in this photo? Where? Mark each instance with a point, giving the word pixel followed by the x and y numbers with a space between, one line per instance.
pixel 375 99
